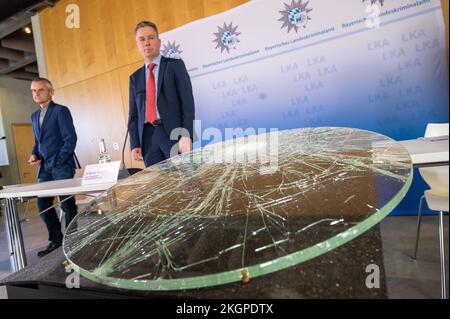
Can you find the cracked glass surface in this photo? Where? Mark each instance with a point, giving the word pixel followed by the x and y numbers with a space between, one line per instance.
pixel 220 214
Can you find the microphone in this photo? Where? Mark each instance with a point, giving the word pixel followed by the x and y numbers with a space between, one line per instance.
pixel 123 149
pixel 125 172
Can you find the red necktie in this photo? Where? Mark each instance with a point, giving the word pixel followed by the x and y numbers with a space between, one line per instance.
pixel 150 105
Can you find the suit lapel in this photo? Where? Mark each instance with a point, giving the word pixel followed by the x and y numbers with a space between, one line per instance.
pixel 140 88
pixel 140 80
pixel 162 68
pixel 47 116
pixel 37 129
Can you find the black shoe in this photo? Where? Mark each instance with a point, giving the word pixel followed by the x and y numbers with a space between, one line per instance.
pixel 51 247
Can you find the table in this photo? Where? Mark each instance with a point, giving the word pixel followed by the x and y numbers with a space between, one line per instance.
pixel 319 147
pixel 340 274
pixel 13 194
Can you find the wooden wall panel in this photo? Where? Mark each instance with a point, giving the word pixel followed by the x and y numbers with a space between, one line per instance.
pixel 124 74
pixel 124 77
pixel 74 55
pixel 105 38
pixel 214 6
pixel 96 107
pixel 166 14
pixel 445 5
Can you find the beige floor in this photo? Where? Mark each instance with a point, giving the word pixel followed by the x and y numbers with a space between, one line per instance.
pixel 406 278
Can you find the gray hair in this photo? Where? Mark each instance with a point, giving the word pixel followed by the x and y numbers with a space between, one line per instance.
pixel 144 24
pixel 47 82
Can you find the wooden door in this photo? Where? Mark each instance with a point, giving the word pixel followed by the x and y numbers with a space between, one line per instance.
pixel 24 141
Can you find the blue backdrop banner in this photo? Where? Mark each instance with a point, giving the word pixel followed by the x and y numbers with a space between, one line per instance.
pixel 376 65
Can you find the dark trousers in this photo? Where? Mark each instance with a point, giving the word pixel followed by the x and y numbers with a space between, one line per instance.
pixel 156 144
pixel 50 218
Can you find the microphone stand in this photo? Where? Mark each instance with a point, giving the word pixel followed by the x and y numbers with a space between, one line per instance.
pixel 124 171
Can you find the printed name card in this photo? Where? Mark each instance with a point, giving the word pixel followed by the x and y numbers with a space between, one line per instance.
pixel 101 173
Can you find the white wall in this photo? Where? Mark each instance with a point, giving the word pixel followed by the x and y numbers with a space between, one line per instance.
pixel 16 106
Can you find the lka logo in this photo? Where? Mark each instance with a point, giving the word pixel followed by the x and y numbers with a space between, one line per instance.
pixel 171 50
pixel 227 37
pixel 295 15
pixel 372 2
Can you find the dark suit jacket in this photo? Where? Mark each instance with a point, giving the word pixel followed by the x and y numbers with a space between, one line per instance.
pixel 55 141
pixel 175 100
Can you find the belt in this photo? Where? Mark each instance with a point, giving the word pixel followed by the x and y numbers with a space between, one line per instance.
pixel 158 122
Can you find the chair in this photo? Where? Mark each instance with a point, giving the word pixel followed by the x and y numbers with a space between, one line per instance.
pixel 437 198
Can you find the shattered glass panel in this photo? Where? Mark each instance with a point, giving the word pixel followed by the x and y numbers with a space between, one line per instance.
pixel 239 209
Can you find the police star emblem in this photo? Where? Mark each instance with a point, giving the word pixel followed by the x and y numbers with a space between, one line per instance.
pixel 372 2
pixel 171 50
pixel 227 37
pixel 295 15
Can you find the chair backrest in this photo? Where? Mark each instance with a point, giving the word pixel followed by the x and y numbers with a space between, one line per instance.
pixel 436 177
pixel 436 129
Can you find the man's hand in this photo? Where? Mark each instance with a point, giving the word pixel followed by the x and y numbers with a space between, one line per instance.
pixel 184 144
pixel 33 160
pixel 136 153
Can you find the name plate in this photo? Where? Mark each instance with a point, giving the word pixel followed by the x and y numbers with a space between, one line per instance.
pixel 101 173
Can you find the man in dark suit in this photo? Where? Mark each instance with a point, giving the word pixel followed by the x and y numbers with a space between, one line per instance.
pixel 55 140
pixel 161 102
